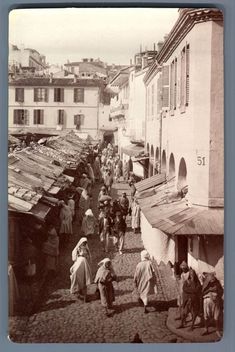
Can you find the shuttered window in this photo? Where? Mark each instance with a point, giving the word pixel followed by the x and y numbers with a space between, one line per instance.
pixel 187 73
pixel 159 94
pixel 59 95
pixel 61 117
pixel 172 80
pixel 183 79
pixel 40 94
pixel 19 95
pixel 78 95
pixel 79 120
pixel 165 86
pixel 21 117
pixel 38 117
pixel 175 85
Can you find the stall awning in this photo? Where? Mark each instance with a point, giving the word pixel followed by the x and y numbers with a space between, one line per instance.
pixel 132 150
pixel 150 182
pixel 40 210
pixel 171 214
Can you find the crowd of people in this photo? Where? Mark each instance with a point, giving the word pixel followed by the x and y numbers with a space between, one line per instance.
pixel 199 296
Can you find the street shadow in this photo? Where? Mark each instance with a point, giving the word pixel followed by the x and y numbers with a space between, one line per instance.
pixel 123 277
pixel 54 305
pixel 162 306
pixel 125 306
pixel 122 292
pixel 132 250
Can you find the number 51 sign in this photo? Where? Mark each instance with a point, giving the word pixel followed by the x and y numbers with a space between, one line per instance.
pixel 201 160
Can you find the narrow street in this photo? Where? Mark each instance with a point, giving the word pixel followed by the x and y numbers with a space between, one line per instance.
pixel 59 317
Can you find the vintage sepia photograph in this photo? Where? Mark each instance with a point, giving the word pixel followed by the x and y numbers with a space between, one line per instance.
pixel 116 175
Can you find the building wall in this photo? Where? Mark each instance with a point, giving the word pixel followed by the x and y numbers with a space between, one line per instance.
pixel 90 109
pixel 195 132
pixel 207 255
pixel 157 243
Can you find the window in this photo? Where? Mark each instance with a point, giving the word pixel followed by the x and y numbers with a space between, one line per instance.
pixel 184 77
pixel 78 95
pixel 19 95
pixel 159 94
pixel 21 117
pixel 40 94
pixel 165 86
pixel 61 117
pixel 78 120
pixel 173 84
pixel 152 110
pixel 38 117
pixel 59 95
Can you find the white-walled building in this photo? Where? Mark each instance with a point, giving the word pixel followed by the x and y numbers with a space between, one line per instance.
pixel 184 139
pixel 26 58
pixel 57 104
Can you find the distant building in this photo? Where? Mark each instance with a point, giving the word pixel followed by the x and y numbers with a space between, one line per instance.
pixel 53 104
pixel 25 59
pixel 87 68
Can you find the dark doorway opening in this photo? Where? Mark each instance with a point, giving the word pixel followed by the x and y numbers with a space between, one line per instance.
pixel 182 252
pixel 108 137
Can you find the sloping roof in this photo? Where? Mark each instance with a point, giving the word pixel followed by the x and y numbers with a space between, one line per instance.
pixel 56 82
pixel 132 149
pixel 168 212
pixel 150 182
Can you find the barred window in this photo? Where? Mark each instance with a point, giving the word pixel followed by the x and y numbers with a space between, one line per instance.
pixel 38 117
pixel 19 95
pixel 59 95
pixel 78 95
pixel 40 94
pixel 21 117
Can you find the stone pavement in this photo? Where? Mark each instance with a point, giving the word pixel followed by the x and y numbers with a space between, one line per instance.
pixel 59 317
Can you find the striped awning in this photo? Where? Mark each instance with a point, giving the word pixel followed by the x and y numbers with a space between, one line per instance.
pixel 150 182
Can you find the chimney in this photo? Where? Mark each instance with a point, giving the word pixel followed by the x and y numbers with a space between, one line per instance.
pixel 75 78
pixel 130 62
pixel 140 48
pixel 51 77
pixel 165 37
pixel 159 45
pixel 154 47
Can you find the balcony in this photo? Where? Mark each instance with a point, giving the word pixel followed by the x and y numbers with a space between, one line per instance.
pixel 118 111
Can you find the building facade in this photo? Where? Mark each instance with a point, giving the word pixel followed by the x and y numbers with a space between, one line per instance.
pixel 26 58
pixel 184 108
pixel 57 104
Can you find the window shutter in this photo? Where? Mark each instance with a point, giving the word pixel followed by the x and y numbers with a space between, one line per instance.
pixel 183 79
pixel 35 94
pixel 15 117
pixel 165 87
pixel 75 95
pixel 159 94
pixel 175 85
pixel 187 74
pixel 26 115
pixel 41 114
pixel 62 94
pixel 172 85
pixel 35 117
pixel 46 94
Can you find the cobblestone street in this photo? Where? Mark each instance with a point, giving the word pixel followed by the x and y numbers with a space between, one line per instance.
pixel 59 317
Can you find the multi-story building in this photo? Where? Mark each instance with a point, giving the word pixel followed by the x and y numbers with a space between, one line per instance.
pixel 26 58
pixel 58 103
pixel 88 68
pixel 184 138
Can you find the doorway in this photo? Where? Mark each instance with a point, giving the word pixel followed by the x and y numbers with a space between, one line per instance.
pixel 182 249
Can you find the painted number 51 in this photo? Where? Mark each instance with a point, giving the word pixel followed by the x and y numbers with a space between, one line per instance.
pixel 201 160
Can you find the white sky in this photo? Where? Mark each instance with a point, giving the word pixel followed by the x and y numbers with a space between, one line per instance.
pixel 112 34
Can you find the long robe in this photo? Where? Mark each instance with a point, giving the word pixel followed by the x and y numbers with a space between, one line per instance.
pixel 104 278
pixel 144 279
pixel 66 220
pixel 88 225
pixel 135 216
pixel 80 275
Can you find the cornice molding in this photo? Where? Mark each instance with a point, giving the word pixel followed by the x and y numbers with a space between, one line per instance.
pixel 186 21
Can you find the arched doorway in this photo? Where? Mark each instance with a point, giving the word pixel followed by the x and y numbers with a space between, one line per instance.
pixel 108 137
pixel 182 174
pixel 163 166
pixel 171 166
